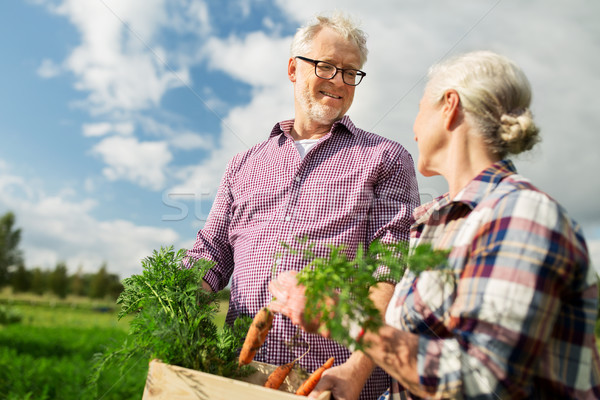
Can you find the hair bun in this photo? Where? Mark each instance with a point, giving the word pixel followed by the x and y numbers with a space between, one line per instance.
pixel 518 131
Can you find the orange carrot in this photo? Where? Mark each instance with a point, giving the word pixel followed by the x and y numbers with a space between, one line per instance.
pixel 256 335
pixel 313 379
pixel 278 376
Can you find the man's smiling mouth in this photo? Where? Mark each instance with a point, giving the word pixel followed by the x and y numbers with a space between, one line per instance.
pixel 330 95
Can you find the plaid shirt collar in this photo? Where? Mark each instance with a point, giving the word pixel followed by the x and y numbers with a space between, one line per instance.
pixel 343 125
pixel 470 195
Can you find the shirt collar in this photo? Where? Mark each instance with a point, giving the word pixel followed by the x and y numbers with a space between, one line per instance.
pixel 485 182
pixel 285 127
pixel 473 193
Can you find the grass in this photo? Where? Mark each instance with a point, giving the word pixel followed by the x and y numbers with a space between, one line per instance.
pixel 48 354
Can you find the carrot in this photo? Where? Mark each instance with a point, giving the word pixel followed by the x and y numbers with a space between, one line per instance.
pixel 313 379
pixel 256 335
pixel 278 376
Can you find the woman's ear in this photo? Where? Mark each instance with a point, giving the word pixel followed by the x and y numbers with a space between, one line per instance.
pixel 292 69
pixel 451 109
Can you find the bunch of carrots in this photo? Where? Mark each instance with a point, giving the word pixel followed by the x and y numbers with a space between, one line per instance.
pixel 255 338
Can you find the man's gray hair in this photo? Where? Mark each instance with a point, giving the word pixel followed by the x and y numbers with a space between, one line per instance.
pixel 339 22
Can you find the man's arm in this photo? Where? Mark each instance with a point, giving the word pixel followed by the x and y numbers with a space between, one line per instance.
pixel 212 241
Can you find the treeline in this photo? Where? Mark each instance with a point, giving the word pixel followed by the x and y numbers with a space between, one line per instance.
pixel 99 285
pixel 13 272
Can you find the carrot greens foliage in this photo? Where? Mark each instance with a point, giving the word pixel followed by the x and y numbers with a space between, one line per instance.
pixel 173 320
pixel 338 287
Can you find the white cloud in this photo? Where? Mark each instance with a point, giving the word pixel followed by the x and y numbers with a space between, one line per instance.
pixel 118 63
pixel 48 69
pixel 58 228
pixel 104 128
pixel 194 16
pixel 127 158
pixel 190 141
pixel 254 59
pixel 177 138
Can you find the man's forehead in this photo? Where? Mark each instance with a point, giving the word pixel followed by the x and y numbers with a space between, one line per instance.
pixel 329 45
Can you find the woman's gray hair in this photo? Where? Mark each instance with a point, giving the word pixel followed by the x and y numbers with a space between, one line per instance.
pixel 339 22
pixel 495 92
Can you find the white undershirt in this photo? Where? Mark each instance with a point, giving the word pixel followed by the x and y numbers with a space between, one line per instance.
pixel 305 145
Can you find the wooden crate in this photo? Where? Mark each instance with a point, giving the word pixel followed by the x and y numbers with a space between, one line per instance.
pixel 171 382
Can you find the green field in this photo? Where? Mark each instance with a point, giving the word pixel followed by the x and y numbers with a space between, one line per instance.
pixel 48 354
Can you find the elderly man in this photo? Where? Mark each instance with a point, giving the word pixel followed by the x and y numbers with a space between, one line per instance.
pixel 316 177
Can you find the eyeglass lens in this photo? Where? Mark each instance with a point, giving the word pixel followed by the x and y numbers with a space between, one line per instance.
pixel 327 71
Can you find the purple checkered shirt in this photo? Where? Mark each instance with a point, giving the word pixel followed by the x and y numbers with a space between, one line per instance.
pixel 518 320
pixel 351 188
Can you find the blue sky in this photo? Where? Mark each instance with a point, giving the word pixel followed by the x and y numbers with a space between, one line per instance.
pixel 119 116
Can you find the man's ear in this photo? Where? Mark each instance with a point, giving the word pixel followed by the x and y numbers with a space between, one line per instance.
pixel 451 109
pixel 292 69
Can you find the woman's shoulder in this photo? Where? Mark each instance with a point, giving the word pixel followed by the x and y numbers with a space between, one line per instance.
pixel 517 198
pixel 515 190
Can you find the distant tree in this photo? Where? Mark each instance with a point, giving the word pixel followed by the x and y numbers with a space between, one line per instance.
pixel 10 255
pixel 59 281
pixel 115 287
pixel 98 283
pixel 105 285
pixel 21 279
pixel 79 283
pixel 39 281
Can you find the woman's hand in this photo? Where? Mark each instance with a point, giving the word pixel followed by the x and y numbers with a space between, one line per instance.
pixel 289 300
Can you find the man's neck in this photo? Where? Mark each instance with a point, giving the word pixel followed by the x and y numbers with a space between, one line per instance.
pixel 309 130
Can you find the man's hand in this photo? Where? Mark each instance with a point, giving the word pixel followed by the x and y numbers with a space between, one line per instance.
pixel 206 286
pixel 347 380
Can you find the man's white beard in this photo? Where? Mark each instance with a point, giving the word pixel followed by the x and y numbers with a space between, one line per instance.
pixel 317 112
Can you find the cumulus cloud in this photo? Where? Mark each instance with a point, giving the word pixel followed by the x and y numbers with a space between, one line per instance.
pixel 255 59
pixel 118 63
pixel 177 138
pixel 127 158
pixel 58 227
pixel 104 128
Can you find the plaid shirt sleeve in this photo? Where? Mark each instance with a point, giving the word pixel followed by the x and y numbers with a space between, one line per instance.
pixel 525 273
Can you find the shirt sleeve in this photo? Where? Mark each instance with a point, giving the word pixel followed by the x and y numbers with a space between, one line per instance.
pixel 212 241
pixel 396 195
pixel 525 255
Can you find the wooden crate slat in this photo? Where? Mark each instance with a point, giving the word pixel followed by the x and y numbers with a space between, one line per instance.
pixel 171 382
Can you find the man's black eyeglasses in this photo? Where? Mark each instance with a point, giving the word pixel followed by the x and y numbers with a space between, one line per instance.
pixel 325 70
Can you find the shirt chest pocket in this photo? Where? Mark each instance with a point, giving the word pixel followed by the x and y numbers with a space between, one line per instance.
pixel 256 206
pixel 347 195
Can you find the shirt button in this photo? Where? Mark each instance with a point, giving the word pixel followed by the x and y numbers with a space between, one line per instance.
pixel 287 218
pixel 298 179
